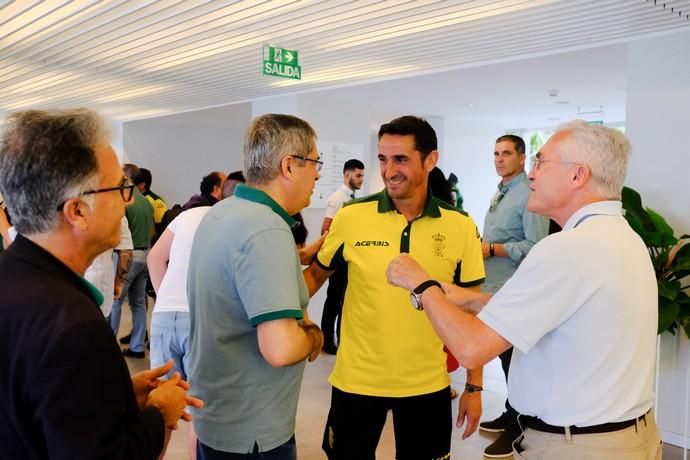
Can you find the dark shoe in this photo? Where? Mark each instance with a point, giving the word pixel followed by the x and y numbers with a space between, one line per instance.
pixel 502 447
pixel 330 349
pixel 495 426
pixel 134 354
pixel 128 338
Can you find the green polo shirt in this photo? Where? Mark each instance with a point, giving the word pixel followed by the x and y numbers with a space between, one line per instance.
pixel 387 348
pixel 140 219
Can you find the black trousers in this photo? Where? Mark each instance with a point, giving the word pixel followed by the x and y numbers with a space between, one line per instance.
pixel 512 415
pixel 422 425
pixel 333 307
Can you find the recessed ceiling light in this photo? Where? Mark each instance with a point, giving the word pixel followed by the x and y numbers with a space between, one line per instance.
pixel 553 119
pixel 563 102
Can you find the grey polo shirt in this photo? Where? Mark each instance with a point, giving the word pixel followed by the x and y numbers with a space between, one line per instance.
pixel 243 270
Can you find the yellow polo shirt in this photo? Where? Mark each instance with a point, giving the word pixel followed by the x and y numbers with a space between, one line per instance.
pixel 158 205
pixel 387 348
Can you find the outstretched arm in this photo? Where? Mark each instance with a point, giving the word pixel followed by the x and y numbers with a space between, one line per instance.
pixel 471 341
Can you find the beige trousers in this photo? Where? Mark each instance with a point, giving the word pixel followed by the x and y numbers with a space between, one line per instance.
pixel 638 442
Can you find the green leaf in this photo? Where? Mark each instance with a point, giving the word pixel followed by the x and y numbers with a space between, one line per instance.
pixel 684 300
pixel 659 262
pixel 660 239
pixel 635 214
pixel 660 223
pixel 631 199
pixel 668 312
pixel 669 289
pixel 637 226
pixel 680 268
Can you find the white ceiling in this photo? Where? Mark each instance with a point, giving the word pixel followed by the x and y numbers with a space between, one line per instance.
pixel 143 58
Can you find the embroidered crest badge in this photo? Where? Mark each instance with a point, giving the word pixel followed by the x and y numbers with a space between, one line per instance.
pixel 439 244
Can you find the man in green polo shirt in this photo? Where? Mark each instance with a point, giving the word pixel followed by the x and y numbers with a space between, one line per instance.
pixel 389 356
pixel 249 331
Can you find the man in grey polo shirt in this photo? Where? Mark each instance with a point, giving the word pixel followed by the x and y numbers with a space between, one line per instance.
pixel 250 334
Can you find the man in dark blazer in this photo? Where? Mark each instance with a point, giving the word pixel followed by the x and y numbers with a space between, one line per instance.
pixel 65 390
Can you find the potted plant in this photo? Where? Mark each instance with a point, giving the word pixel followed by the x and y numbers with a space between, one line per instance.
pixel 671 259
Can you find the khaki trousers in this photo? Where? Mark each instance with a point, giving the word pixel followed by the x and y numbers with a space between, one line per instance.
pixel 638 442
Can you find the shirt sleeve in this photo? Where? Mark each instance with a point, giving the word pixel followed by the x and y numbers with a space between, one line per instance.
pixel 470 271
pixel 331 256
pixel 535 228
pixel 267 274
pixel 333 205
pixel 125 236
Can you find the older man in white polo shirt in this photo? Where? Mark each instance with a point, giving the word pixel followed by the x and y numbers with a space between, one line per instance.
pixel 580 311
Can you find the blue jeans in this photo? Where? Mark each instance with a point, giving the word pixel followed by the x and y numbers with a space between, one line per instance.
pixel 135 291
pixel 170 340
pixel 287 451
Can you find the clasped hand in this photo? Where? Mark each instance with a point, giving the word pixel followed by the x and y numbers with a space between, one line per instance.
pixel 169 396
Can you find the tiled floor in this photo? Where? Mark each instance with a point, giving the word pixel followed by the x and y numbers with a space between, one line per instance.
pixel 313 409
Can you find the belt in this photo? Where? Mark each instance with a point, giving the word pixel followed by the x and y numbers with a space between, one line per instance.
pixel 538 424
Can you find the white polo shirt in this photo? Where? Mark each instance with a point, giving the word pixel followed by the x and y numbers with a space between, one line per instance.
pixel 337 199
pixel 581 312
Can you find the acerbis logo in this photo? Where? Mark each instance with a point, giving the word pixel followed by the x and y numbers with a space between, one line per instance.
pixel 372 243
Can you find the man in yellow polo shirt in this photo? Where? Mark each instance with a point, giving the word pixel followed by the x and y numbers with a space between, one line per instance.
pixel 390 358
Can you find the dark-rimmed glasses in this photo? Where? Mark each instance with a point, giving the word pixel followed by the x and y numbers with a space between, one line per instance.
pixel 126 188
pixel 319 163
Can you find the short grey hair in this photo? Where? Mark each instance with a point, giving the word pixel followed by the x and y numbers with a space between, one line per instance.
pixel 47 157
pixel 605 150
pixel 270 138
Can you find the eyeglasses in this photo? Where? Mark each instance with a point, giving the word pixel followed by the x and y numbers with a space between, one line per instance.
pixel 319 163
pixel 537 162
pixel 126 188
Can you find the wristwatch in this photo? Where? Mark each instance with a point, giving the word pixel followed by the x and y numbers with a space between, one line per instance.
pixel 416 294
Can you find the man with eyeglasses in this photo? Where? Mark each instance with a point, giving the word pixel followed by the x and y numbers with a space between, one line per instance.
pixel 389 357
pixel 65 388
pixel 510 231
pixel 141 225
pixel 250 334
pixel 580 311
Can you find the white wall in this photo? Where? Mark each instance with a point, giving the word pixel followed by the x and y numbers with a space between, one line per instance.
pixel 658 120
pixel 181 149
pixel 469 154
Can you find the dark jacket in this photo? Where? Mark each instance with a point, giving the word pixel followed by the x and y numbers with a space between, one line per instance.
pixel 65 390
pixel 199 200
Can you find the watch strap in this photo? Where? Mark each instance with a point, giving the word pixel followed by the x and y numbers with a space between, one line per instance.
pixel 426 285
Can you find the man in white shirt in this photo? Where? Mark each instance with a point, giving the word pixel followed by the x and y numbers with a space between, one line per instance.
pixel 102 274
pixel 580 311
pixel 353 177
